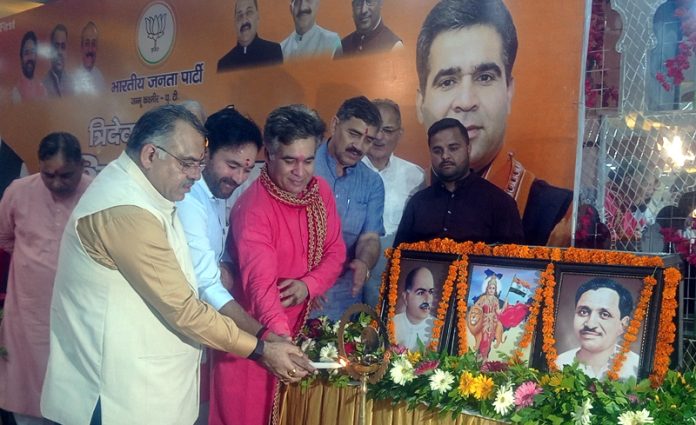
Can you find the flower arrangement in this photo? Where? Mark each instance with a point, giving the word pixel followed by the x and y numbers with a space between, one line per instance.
pixel 520 394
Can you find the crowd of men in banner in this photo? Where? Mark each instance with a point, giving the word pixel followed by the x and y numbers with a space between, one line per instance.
pixel 116 283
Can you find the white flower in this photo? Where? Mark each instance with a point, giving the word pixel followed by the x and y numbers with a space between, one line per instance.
pixel 635 418
pixel 504 400
pixel 328 353
pixel 582 415
pixel 402 371
pixel 307 345
pixel 336 326
pixel 441 381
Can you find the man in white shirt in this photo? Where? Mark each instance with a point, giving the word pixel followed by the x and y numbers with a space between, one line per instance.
pixel 309 39
pixel 88 79
pixel 401 180
pixel 233 143
pixel 602 312
pixel 415 322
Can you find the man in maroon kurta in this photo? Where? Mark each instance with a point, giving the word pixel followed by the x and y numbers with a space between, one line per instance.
pixel 286 241
pixel 33 213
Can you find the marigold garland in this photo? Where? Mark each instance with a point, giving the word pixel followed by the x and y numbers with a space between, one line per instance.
pixel 548 317
pixel 439 321
pixel 631 333
pixel 462 287
pixel 545 293
pixel 666 331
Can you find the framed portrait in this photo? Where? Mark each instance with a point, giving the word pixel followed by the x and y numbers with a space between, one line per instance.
pixel 499 297
pixel 594 310
pixel 415 306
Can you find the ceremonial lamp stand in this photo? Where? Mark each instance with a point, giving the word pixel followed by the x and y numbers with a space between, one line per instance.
pixel 371 365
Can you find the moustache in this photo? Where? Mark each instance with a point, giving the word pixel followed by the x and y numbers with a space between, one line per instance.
pixel 424 306
pixel 355 151
pixel 90 55
pixel 304 12
pixel 228 182
pixel 245 26
pixel 586 329
pixel 443 163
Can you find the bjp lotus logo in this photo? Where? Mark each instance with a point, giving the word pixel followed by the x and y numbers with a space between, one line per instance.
pixel 156 32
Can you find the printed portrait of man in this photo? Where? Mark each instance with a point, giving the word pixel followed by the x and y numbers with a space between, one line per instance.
pixel 415 322
pixel 465 55
pixel 601 314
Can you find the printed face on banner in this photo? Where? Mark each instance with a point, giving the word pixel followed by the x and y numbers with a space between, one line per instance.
pixel 366 14
pixel 291 166
pixel 89 46
pixel 29 59
pixel 246 18
pixel 467 81
pixel 304 13
pixel 59 45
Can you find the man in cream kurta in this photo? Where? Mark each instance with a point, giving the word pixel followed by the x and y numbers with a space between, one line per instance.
pixel 125 318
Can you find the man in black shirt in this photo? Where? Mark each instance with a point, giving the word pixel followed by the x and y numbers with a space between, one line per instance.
pixel 251 50
pixel 459 204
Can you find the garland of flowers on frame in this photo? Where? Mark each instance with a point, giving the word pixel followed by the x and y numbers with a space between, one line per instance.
pixel 545 292
pixel 462 288
pixel 666 329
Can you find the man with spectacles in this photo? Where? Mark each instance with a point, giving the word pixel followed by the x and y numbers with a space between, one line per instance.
pixel 359 194
pixel 401 180
pixel 251 50
pixel 126 322
pixel 28 87
pixel 415 323
pixel 370 35
pixel 57 80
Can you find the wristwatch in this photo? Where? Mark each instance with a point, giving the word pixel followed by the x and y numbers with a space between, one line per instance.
pixel 258 351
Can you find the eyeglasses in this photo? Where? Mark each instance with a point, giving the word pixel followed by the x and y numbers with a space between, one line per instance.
pixel 186 165
pixel 371 3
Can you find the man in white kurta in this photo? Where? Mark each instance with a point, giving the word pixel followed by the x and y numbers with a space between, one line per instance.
pixel 401 180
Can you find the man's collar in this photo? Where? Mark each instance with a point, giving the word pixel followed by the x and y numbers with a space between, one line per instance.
pixel 309 32
pixel 244 48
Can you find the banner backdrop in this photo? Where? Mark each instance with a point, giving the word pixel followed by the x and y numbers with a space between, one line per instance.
pixel 151 53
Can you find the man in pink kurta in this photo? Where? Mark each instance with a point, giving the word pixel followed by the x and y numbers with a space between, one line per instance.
pixel 33 213
pixel 286 241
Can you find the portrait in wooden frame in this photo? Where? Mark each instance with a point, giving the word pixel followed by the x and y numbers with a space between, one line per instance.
pixel 599 309
pixel 414 306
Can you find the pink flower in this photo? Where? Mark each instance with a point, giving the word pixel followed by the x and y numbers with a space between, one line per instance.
pixel 494 366
pixel 398 349
pixel 524 394
pixel 426 367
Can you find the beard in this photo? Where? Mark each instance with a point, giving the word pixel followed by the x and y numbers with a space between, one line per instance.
pixel 28 68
